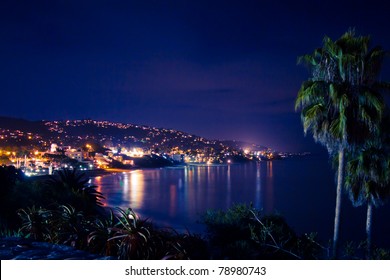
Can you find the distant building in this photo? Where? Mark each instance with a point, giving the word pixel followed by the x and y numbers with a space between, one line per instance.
pixel 75 154
pixel 101 161
pixel 53 148
pixel 178 157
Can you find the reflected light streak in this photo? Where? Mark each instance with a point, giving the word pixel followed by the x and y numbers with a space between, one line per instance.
pixel 270 172
pixel 269 201
pixel 190 188
pixel 186 176
pixel 229 187
pixel 180 183
pixel 258 203
pixel 99 189
pixel 173 200
pixel 126 187
pixel 137 185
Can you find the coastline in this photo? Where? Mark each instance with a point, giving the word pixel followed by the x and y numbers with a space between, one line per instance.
pixel 102 172
pixel 88 173
pixel 106 171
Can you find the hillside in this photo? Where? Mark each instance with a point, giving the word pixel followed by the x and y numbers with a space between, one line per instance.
pixel 22 132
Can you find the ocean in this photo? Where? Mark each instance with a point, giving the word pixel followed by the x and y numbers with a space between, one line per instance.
pixel 303 190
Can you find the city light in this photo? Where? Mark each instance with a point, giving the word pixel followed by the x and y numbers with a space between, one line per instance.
pixel 65 149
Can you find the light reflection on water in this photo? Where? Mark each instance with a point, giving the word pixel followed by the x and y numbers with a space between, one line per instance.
pixel 302 190
pixel 269 186
pixel 181 195
pixel 258 188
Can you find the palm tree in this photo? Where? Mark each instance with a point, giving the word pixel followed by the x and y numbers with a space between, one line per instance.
pixel 368 175
pixel 341 104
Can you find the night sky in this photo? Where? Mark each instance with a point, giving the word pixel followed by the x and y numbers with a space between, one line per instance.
pixel 218 69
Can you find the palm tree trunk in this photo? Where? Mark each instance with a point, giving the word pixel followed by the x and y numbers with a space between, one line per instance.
pixel 368 228
pixel 340 179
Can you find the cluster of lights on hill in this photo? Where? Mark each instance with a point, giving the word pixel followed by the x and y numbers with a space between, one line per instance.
pixel 39 136
pixel 113 134
pixel 41 146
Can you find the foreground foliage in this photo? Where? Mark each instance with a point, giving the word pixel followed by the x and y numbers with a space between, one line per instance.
pixel 241 232
pixel 341 103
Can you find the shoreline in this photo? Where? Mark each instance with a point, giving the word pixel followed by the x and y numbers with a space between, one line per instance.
pixel 88 173
pixel 108 171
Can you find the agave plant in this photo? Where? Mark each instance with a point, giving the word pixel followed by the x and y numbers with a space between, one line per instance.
pixel 100 238
pixel 134 236
pixel 36 223
pixel 184 246
pixel 71 227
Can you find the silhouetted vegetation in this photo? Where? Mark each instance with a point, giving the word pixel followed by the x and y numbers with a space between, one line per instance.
pixel 241 232
pixel 341 103
pixel 152 161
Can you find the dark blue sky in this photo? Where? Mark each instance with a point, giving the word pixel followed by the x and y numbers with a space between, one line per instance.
pixel 219 69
